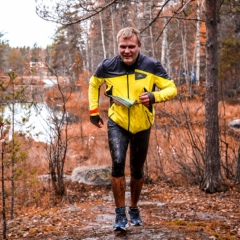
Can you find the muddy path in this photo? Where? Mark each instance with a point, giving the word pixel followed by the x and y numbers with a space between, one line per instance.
pixel 167 212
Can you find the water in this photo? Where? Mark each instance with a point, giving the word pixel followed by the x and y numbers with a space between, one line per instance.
pixel 35 121
pixel 49 82
pixel 32 120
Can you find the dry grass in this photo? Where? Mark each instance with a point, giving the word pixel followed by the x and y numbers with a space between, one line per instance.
pixel 176 151
pixel 177 138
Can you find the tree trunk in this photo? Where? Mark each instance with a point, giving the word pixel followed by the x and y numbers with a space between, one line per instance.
pixel 237 179
pixel 115 47
pixel 151 33
pixel 13 159
pixel 102 36
pixel 212 181
pixel 198 46
pixel 164 43
pixel 4 218
pixel 185 60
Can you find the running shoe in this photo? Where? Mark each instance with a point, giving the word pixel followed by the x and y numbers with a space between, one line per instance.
pixel 135 218
pixel 121 219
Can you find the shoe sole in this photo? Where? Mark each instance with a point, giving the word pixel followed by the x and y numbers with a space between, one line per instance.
pixel 136 224
pixel 121 228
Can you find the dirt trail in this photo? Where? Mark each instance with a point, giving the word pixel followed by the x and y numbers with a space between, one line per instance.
pixel 167 213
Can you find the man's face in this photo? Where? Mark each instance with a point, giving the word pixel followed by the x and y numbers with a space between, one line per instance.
pixel 128 49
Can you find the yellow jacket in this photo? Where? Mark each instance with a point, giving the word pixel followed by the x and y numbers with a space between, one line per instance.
pixel 129 82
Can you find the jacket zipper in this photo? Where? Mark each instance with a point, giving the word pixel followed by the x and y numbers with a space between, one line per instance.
pixel 128 108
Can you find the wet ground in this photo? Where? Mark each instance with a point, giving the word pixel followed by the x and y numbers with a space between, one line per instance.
pixel 167 212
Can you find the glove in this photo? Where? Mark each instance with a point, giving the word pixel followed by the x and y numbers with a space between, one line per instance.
pixel 151 97
pixel 95 119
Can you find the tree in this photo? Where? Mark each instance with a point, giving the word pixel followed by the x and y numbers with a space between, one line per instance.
pixel 17 62
pixel 4 48
pixel 198 42
pixel 57 145
pixel 11 152
pixel 64 58
pixel 212 181
pixel 4 218
pixel 183 40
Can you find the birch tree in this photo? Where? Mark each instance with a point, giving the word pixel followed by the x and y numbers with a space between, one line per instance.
pixel 113 31
pixel 102 36
pixel 198 47
pixel 164 43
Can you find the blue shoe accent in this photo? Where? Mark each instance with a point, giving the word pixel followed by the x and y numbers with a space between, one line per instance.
pixel 121 219
pixel 135 216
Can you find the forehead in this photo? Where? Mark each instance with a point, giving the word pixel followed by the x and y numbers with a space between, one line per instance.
pixel 128 41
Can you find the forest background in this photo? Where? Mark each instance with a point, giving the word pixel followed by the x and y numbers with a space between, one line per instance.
pixel 174 32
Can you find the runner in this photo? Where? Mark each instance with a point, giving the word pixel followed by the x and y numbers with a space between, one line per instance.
pixel 130 77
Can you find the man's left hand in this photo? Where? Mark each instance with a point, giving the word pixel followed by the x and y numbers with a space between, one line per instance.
pixel 147 99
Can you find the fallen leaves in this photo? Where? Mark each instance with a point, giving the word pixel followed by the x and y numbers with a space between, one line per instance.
pixel 167 212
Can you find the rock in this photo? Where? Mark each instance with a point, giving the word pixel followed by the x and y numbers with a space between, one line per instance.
pixel 92 175
pixel 235 124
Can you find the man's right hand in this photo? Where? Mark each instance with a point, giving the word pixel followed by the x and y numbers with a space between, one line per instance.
pixel 97 121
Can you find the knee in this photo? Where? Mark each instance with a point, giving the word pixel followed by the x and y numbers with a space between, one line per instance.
pixel 118 170
pixel 137 174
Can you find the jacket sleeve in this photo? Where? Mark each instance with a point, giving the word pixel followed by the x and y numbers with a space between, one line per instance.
pixel 168 90
pixel 93 94
pixel 167 87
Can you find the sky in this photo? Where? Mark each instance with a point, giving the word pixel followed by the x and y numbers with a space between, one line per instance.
pixel 21 26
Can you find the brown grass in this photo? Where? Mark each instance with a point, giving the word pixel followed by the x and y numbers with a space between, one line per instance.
pixel 176 151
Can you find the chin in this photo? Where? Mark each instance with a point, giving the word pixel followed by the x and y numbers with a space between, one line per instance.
pixel 128 62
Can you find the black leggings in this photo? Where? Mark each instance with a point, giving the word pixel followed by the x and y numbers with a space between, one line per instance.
pixel 118 139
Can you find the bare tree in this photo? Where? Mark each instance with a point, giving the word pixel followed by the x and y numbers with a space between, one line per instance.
pixel 58 137
pixel 57 146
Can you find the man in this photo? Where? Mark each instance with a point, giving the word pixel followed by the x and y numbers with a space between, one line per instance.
pixel 132 76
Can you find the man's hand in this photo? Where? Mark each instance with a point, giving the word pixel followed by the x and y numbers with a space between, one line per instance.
pixel 147 99
pixel 97 121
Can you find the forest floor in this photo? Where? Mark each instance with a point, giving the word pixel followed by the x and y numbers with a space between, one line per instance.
pixel 87 212
pixel 168 212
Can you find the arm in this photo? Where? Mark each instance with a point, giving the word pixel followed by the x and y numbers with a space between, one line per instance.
pixel 168 89
pixel 93 96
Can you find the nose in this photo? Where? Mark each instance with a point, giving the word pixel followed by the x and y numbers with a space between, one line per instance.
pixel 127 49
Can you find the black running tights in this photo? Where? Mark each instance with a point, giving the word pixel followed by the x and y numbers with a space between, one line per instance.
pixel 119 140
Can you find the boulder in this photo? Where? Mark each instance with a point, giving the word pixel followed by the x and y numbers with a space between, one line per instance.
pixel 92 175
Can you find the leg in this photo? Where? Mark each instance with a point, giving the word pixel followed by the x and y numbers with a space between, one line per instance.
pixel 138 153
pixel 118 143
pixel 135 188
pixel 118 140
pixel 119 188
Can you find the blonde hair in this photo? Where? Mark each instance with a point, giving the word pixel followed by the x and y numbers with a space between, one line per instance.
pixel 128 32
